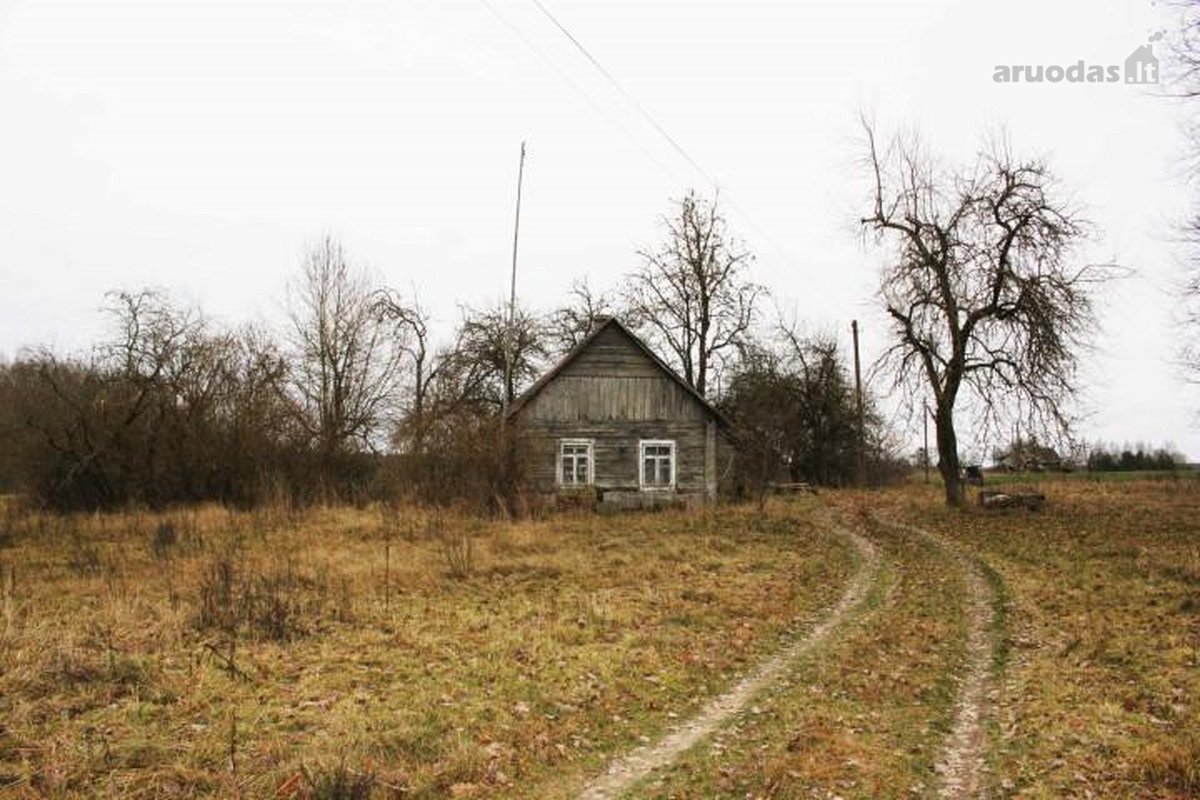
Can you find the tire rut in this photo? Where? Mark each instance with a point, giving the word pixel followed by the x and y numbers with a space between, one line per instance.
pixel 626 771
pixel 962 767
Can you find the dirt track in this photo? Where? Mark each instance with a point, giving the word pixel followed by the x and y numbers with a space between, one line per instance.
pixel 628 770
pixel 962 766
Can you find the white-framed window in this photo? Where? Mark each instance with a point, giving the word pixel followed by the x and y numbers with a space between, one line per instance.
pixel 575 462
pixel 656 463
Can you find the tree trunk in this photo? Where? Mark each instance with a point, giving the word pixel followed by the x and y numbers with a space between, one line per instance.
pixel 948 466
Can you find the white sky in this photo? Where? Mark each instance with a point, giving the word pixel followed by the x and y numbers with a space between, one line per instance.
pixel 198 145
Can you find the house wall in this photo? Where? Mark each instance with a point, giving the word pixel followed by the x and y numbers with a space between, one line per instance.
pixel 615 395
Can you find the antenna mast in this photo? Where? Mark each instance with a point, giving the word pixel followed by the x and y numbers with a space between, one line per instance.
pixel 512 290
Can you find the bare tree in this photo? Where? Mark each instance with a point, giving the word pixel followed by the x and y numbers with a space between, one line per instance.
pixel 1183 80
pixel 826 441
pixel 167 410
pixel 793 410
pixel 570 324
pixel 760 402
pixel 346 360
pixel 476 372
pixel 463 451
pixel 692 293
pixel 980 287
pixel 410 324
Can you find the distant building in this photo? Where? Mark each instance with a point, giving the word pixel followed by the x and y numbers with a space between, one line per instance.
pixel 613 422
pixel 1028 457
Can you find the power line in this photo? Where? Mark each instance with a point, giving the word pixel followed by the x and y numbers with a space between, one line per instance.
pixel 660 129
pixel 628 97
pixel 670 173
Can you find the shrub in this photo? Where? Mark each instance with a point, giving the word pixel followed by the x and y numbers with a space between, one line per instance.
pixel 275 604
pixel 338 783
pixel 455 547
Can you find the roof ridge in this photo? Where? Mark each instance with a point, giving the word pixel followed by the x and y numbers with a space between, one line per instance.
pixel 574 352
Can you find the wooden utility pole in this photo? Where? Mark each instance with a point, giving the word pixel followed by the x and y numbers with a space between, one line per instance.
pixel 512 289
pixel 858 397
pixel 925 419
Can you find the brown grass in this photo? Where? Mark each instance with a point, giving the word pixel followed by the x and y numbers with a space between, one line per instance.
pixel 564 642
pixel 214 653
pixel 1102 667
pixel 863 717
pixel 1097 667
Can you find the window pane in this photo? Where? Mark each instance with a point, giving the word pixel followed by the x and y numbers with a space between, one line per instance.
pixel 574 457
pixel 656 463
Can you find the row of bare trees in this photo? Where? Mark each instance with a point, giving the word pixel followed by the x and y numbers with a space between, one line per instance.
pixel 167 408
pixel 171 408
pixel 980 282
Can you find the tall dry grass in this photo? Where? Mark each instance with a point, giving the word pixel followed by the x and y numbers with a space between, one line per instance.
pixel 215 652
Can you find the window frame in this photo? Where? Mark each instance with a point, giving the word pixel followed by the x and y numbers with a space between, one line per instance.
pixel 657 487
pixel 591 463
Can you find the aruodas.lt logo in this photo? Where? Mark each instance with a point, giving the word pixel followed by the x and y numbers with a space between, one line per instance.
pixel 1141 67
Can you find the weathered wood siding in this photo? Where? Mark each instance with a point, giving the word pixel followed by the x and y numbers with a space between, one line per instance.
pixel 617 398
pixel 615 395
pixel 611 353
pixel 614 452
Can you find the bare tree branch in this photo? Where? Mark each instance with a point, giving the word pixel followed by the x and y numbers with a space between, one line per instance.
pixel 980 289
pixel 692 293
pixel 346 360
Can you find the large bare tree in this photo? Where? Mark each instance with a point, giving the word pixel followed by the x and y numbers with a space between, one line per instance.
pixel 692 293
pixel 981 286
pixel 346 359
pixel 1183 83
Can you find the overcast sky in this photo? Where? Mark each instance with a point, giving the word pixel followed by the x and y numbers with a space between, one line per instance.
pixel 197 146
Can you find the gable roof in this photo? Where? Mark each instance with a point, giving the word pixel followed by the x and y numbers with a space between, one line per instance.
pixel 583 345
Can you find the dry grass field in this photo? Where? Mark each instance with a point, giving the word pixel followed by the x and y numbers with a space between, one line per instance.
pixel 1099 691
pixel 1095 658
pixel 864 717
pixel 348 653
pixel 355 653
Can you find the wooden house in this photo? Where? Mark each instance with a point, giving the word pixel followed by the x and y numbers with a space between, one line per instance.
pixel 1028 456
pixel 612 421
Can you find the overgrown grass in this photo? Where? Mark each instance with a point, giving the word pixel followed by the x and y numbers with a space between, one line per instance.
pixel 863 716
pixel 346 653
pixel 1096 666
pixel 1102 658
pixel 382 653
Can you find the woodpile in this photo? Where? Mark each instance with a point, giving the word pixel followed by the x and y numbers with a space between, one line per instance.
pixel 1032 501
pixel 792 488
